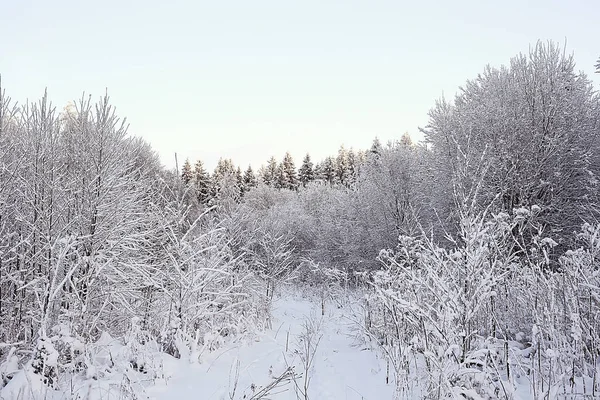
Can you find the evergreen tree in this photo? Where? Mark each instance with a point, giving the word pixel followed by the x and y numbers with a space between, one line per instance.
pixel 262 175
pixel 328 170
pixel 318 172
pixel 224 175
pixel 290 178
pixel 224 167
pixel 341 167
pixel 306 172
pixel 186 172
pixel 249 178
pixel 352 167
pixel 361 158
pixel 280 181
pixel 406 140
pixel 270 172
pixel 239 178
pixel 202 182
pixel 375 151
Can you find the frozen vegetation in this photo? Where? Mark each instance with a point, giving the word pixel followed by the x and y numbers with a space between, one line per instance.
pixel 463 267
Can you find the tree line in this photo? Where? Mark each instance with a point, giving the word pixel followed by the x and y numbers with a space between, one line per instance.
pixel 339 170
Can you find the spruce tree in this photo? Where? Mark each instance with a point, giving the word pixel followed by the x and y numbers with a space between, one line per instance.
pixel 186 172
pixel 224 167
pixel 374 154
pixel 239 179
pixel 376 150
pixel 352 167
pixel 328 170
pixel 405 140
pixel 280 181
pixel 249 178
pixel 224 175
pixel 318 172
pixel 270 172
pixel 306 172
pixel 341 167
pixel 290 178
pixel 202 182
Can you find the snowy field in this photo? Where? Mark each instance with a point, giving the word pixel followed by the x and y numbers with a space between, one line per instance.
pixel 302 352
pixel 341 367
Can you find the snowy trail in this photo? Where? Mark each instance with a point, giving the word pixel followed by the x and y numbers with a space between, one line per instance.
pixel 342 369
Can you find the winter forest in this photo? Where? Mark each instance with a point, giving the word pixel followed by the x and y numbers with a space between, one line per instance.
pixel 464 266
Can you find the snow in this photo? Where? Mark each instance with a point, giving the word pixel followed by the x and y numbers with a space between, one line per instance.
pixel 342 369
pixel 342 366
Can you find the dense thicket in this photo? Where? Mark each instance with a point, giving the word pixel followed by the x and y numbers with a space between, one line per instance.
pixel 95 238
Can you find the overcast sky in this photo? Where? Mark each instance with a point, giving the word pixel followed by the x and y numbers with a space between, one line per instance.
pixel 251 79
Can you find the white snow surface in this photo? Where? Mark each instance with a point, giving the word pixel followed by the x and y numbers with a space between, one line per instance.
pixel 343 367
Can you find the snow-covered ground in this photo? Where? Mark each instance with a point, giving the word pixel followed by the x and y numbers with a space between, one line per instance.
pixel 342 368
pixel 303 351
pixel 338 365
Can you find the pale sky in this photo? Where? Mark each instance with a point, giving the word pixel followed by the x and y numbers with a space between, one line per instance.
pixel 250 79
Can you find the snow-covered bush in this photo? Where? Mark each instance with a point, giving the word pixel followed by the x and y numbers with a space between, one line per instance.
pixel 484 317
pixel 432 306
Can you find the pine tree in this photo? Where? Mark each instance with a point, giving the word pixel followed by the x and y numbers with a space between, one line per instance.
pixel 341 167
pixel 202 182
pixel 318 172
pixel 352 167
pixel 186 172
pixel 361 158
pixel 270 172
pixel 249 178
pixel 280 181
pixel 406 140
pixel 262 175
pixel 328 170
pixel 224 167
pixel 290 178
pixel 306 172
pixel 373 156
pixel 224 175
pixel 239 178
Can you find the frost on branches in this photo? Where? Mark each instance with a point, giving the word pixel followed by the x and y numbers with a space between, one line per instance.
pixel 480 320
pixel 97 241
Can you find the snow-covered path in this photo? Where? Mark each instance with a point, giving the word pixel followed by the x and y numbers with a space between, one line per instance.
pixel 342 369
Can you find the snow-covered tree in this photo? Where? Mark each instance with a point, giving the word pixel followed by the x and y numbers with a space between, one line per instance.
pixel 306 172
pixel 288 169
pixel 187 174
pixel 353 167
pixel 272 258
pixel 202 182
pixel 342 167
pixel 375 149
pixel 269 173
pixel 239 179
pixel 250 180
pixel 318 172
pixel 531 127
pixel 327 169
